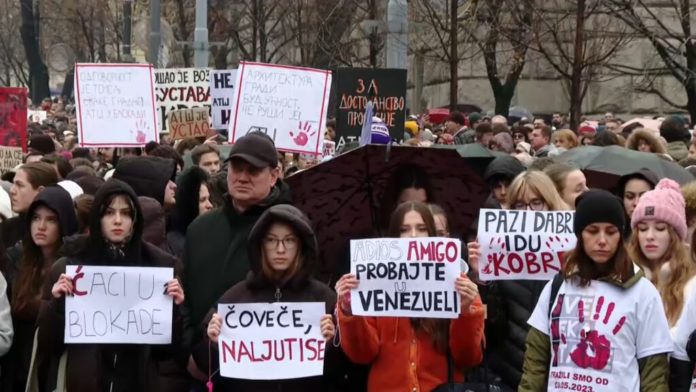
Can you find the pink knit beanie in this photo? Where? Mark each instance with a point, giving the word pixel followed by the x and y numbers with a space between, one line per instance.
pixel 665 203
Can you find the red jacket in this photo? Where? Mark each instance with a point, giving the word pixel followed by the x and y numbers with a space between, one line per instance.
pixel 405 361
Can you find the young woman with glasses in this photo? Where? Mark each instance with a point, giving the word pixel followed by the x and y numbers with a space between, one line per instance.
pixel 511 302
pixel 284 253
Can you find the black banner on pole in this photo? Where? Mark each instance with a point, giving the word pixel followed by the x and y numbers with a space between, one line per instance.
pixel 386 88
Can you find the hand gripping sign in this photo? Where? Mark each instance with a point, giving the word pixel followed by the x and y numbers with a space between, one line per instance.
pixel 523 244
pixel 124 305
pixel 406 277
pixel 271 341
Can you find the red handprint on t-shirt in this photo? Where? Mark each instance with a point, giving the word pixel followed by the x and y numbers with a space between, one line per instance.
pixel 593 350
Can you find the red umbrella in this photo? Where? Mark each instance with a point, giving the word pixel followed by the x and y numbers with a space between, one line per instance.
pixel 438 116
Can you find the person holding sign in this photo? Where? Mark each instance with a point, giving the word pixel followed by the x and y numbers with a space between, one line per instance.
pixel 51 218
pixel 511 302
pixel 217 241
pixel 116 226
pixel 599 325
pixel 411 354
pixel 283 252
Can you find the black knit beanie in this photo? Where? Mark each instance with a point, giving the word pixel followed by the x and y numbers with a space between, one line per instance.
pixel 598 206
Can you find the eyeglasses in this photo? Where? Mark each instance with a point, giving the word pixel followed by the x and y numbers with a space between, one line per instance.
pixel 518 136
pixel 534 205
pixel 289 243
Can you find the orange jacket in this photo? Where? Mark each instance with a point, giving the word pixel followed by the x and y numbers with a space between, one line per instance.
pixel 405 361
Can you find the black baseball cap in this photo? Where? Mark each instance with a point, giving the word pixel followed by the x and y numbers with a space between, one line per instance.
pixel 256 148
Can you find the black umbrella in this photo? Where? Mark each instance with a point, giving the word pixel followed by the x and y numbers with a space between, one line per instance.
pixel 343 196
pixel 617 161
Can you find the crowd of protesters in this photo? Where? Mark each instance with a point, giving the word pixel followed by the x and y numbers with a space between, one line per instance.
pixel 227 227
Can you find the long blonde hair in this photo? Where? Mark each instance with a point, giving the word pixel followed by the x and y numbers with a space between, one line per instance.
pixel 539 183
pixel 681 270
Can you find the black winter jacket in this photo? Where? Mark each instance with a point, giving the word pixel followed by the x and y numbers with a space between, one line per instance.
pixel 506 341
pixel 148 176
pixel 215 257
pixel 300 287
pixel 109 367
pixel 16 363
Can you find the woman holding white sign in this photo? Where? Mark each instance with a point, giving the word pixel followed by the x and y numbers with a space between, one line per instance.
pixel 599 325
pixel 511 302
pixel 283 251
pixel 411 354
pixel 116 226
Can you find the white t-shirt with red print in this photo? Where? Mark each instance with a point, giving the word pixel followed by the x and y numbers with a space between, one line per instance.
pixel 684 327
pixel 599 332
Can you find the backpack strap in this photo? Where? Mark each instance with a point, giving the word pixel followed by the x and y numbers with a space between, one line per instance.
pixel 555 287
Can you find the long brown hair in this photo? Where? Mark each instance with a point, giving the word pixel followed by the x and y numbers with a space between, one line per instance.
pixel 32 272
pixel 437 329
pixel 578 264
pixel 681 268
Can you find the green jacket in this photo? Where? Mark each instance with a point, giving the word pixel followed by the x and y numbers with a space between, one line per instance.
pixel 654 370
pixel 677 150
pixel 215 257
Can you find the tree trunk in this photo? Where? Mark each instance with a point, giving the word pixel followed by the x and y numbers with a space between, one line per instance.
pixel 503 97
pixel 220 57
pixel 254 30
pixel 183 27
pixel 576 88
pixel 68 84
pixel 690 88
pixel 334 27
pixel 374 37
pixel 38 73
pixel 453 56
pixel 101 35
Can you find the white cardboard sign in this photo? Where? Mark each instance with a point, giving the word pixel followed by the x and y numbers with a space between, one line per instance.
pixel 406 277
pixel 222 95
pixel 125 305
pixel 271 341
pixel 115 105
pixel 37 116
pixel 180 88
pixel 523 244
pixel 287 103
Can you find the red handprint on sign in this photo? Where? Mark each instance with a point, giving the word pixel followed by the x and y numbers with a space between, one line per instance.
pixel 303 134
pixel 489 267
pixel 593 350
pixel 140 136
